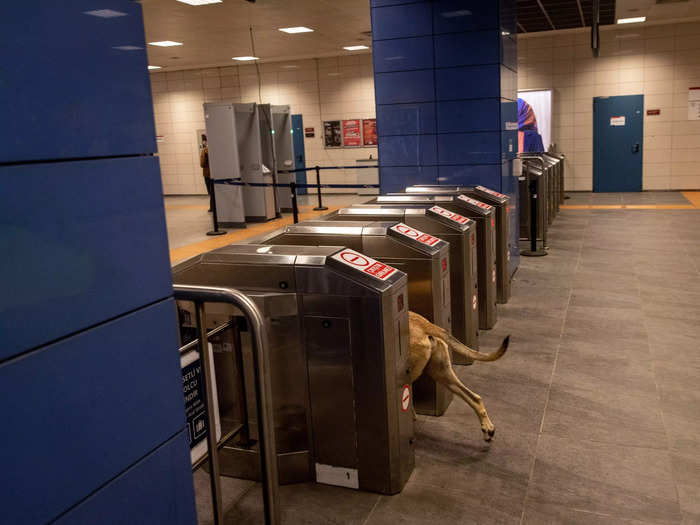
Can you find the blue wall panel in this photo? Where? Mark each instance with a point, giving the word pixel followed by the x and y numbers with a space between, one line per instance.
pixel 67 91
pixel 406 119
pixel 465 49
pixel 404 87
pixel 469 115
pixel 467 82
pixel 397 178
pixel 470 148
pixel 403 54
pixel 84 409
pixel 402 21
pixel 94 246
pixel 484 174
pixel 133 498
pixel 454 16
pixel 408 150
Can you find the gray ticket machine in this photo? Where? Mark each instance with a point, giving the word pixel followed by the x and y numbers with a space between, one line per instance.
pixel 338 334
pixel 484 215
pixel 460 232
pixel 423 257
pixel 502 204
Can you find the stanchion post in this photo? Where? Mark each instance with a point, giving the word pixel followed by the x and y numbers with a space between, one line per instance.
pixel 295 205
pixel 533 251
pixel 212 203
pixel 320 206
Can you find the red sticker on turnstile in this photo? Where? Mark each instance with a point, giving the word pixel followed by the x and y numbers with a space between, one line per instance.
pixel 450 215
pixel 364 264
pixel 418 235
pixel 475 202
pixel 490 191
pixel 405 397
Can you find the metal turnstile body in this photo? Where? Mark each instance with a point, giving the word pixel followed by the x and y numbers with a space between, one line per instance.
pixel 284 154
pixel 531 171
pixel 460 232
pixel 338 337
pixel 425 262
pixel 484 215
pixel 224 162
pixel 502 204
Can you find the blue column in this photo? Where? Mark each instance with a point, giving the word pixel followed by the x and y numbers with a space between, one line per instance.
pixel 445 75
pixel 92 411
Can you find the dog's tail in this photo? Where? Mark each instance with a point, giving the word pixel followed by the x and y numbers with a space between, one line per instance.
pixel 460 348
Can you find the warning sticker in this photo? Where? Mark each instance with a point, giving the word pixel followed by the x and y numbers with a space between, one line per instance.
pixel 405 397
pixel 475 202
pixel 490 191
pixel 364 264
pixel 474 302
pixel 617 121
pixel 450 215
pixel 421 237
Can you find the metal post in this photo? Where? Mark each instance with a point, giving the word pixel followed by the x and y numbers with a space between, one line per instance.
pixel 215 481
pixel 320 206
pixel 295 205
pixel 533 251
pixel 244 435
pixel 212 203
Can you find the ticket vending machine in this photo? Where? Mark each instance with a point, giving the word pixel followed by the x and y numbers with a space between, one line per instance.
pixel 502 204
pixel 338 332
pixel 460 232
pixel 484 215
pixel 423 257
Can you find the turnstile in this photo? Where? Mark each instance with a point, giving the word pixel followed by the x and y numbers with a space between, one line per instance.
pixel 502 204
pixel 532 170
pixel 424 258
pixel 284 154
pixel 484 215
pixel 338 337
pixel 460 232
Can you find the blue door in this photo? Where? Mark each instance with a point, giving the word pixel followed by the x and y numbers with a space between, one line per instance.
pixel 618 131
pixel 299 156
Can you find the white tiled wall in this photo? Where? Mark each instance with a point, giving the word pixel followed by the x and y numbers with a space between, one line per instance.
pixel 345 84
pixel 660 62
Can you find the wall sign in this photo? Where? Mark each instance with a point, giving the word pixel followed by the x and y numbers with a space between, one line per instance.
pixel 332 136
pixel 309 133
pixel 195 401
pixel 617 121
pixel 694 103
pixel 653 112
pixel 369 131
pixel 352 133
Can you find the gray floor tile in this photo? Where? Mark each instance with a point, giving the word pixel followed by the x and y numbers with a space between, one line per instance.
pixel 550 514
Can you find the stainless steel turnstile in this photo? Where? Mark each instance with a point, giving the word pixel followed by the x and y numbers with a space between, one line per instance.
pixel 502 204
pixel 423 257
pixel 533 170
pixel 484 215
pixel 460 232
pixel 284 154
pixel 338 339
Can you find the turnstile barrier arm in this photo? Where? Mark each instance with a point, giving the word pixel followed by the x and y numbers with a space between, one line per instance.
pixel 263 393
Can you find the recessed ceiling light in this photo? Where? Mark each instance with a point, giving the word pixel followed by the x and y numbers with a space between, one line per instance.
pixel 165 43
pixel 355 48
pixel 127 48
pixel 153 67
pixel 105 13
pixel 299 29
pixel 200 2
pixel 631 20
pixel 244 59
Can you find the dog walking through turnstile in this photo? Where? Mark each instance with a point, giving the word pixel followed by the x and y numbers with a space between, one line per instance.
pixel 424 258
pixel 460 232
pixel 338 335
pixel 484 215
pixel 502 204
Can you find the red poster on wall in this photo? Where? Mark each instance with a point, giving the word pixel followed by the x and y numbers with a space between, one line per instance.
pixel 369 131
pixel 352 134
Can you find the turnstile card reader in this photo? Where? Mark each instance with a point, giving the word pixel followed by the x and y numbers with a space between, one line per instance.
pixel 423 257
pixel 484 215
pixel 460 232
pixel 502 204
pixel 338 327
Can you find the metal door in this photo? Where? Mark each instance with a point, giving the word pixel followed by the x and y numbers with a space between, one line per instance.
pixel 618 130
pixel 299 155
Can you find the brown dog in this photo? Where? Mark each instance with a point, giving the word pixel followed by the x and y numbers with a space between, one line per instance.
pixel 430 346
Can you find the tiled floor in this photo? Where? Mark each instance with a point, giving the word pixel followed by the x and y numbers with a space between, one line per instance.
pixel 596 404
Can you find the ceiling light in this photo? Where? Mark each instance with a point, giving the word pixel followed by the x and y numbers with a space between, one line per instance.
pixel 200 2
pixel 153 67
pixel 299 29
pixel 244 59
pixel 105 13
pixel 355 48
pixel 631 20
pixel 165 43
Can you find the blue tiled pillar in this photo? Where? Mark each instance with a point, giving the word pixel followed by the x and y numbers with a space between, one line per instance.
pixel 93 425
pixel 445 75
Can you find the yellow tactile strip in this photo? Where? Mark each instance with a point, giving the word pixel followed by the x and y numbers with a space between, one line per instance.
pixel 185 252
pixel 692 196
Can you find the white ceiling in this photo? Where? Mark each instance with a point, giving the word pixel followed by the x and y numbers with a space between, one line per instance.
pixel 658 12
pixel 213 34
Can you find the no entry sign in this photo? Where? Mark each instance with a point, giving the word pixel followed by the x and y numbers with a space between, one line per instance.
pixel 490 191
pixel 405 397
pixel 418 235
pixel 450 215
pixel 364 264
pixel 475 202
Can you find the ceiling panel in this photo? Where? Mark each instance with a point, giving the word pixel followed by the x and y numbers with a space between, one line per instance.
pixel 545 15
